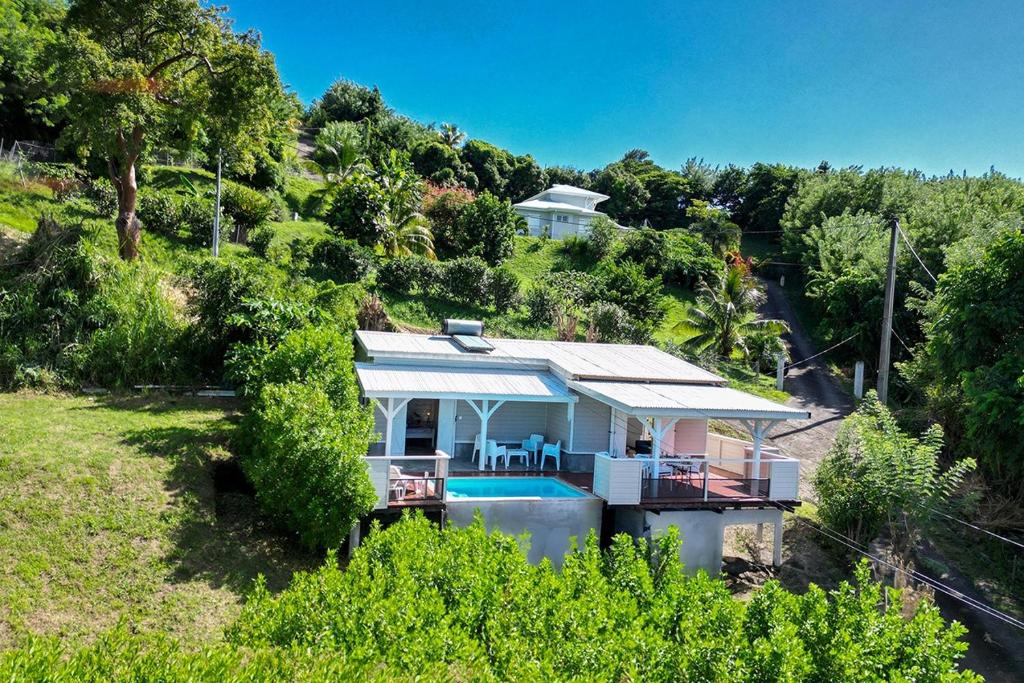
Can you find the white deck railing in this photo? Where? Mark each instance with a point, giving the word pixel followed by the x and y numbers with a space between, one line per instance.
pixel 430 485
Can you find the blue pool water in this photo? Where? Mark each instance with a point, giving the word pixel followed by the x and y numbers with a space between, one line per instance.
pixel 511 487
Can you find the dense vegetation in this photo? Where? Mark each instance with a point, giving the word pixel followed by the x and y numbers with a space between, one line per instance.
pixel 462 603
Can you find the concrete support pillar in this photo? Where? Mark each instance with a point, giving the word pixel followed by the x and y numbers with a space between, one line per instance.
pixel 858 379
pixel 353 540
pixel 777 545
pixel 780 370
pixel 484 417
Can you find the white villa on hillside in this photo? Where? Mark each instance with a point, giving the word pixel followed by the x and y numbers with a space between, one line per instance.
pixel 561 438
pixel 560 210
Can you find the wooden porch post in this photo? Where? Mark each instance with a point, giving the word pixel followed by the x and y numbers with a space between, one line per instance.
pixel 389 417
pixel 656 434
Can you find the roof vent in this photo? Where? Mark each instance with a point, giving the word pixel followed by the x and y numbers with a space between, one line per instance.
pixel 468 334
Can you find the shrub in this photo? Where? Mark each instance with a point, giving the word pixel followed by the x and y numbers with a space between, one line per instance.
pixel 357 210
pixel 308 434
pixel 247 208
pixel 645 247
pixel 195 222
pixel 606 616
pixel 639 295
pixel 688 260
pixel 404 274
pixel 609 323
pixel 464 280
pixel 221 289
pixel 340 259
pixel 259 240
pixel 576 288
pixel 486 227
pixel 877 477
pixel 159 212
pixel 103 197
pixel 542 305
pixel 503 286
pixel 601 237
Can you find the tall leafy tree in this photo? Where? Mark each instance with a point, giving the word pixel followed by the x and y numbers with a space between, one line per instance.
pixel 451 135
pixel 347 101
pixel 166 72
pixel 28 31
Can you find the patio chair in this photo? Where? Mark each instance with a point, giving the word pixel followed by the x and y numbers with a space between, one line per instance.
pixel 551 450
pixel 494 451
pixel 476 448
pixel 533 445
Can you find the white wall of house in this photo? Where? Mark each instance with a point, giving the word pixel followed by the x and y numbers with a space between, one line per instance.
pixel 558 425
pixel 380 426
pixel 591 426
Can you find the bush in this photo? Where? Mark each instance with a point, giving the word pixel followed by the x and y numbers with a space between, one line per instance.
pixel 639 295
pixel 195 222
pixel 357 210
pixel 542 305
pixel 247 208
pixel 576 288
pixel 103 197
pixel 159 212
pixel 260 239
pixel 688 260
pixel 404 274
pixel 485 227
pixel 340 260
pixel 606 616
pixel 601 237
pixel 503 286
pixel 609 324
pixel 646 247
pixel 308 434
pixel 464 280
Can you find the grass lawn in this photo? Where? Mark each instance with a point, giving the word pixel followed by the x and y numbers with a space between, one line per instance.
pixel 108 510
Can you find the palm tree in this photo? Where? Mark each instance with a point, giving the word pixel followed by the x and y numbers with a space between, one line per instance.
pixel 451 135
pixel 405 231
pixel 725 316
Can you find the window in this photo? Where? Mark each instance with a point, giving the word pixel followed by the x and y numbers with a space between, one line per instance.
pixel 561 218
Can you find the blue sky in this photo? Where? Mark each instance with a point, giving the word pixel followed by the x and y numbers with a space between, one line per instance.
pixel 928 85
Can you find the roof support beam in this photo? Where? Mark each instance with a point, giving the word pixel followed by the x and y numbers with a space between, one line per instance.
pixel 389 410
pixel 484 412
pixel 757 429
pixel 659 429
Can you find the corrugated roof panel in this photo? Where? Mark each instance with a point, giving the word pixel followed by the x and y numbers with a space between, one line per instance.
pixel 576 359
pixel 417 382
pixel 688 400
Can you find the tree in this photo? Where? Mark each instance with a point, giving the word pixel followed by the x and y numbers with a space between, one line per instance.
pixel 725 315
pixel 357 208
pixel 714 227
pixel 487 228
pixel 451 136
pixel 347 101
pixel 877 478
pixel 566 175
pixel 29 30
pixel 170 73
pixel 627 194
pixel 768 188
pixel 492 166
pixel 525 179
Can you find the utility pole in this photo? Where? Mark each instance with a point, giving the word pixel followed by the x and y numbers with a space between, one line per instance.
pixel 890 293
pixel 216 210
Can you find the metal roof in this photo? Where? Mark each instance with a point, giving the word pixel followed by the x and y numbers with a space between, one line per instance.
pixel 407 381
pixel 545 205
pixel 570 360
pixel 686 400
pixel 559 188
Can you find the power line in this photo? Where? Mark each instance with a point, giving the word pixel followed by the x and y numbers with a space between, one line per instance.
pixel 933 583
pixel 900 340
pixel 834 346
pixel 977 528
pixel 911 246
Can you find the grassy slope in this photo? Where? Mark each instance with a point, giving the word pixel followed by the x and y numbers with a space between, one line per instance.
pixel 108 511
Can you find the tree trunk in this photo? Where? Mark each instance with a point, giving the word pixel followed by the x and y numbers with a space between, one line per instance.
pixel 129 230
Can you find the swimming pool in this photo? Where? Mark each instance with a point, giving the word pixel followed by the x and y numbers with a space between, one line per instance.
pixel 461 488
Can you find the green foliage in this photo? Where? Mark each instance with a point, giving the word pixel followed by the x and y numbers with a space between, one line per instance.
pixel 724 317
pixel 609 323
pixel 28 31
pixel 504 289
pixel 247 208
pixel 308 435
pixel 876 477
pixel 601 237
pixel 714 227
pixel 464 280
pixel 444 211
pixel 628 613
pixel 627 286
pixel 339 147
pixel 974 350
pixel 627 194
pixel 347 101
pixel 357 210
pixel 69 315
pixel 404 274
pixel 688 260
pixel 768 187
pixel 259 240
pixel 646 248
pixel 491 165
pixel 101 193
pixel 486 227
pixel 339 259
pixel 221 290
pixel 542 305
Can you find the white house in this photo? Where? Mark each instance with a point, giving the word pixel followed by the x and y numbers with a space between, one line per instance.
pixel 560 211
pixel 592 432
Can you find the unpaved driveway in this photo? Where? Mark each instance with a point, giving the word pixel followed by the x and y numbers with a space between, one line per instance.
pixel 813 388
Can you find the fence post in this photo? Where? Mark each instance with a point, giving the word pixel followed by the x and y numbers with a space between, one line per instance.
pixel 858 379
pixel 780 369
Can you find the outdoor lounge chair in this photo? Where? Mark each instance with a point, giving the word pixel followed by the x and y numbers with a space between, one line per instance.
pixel 494 451
pixel 402 484
pixel 552 450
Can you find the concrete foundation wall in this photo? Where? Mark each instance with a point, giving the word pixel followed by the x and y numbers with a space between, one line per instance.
pixel 551 524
